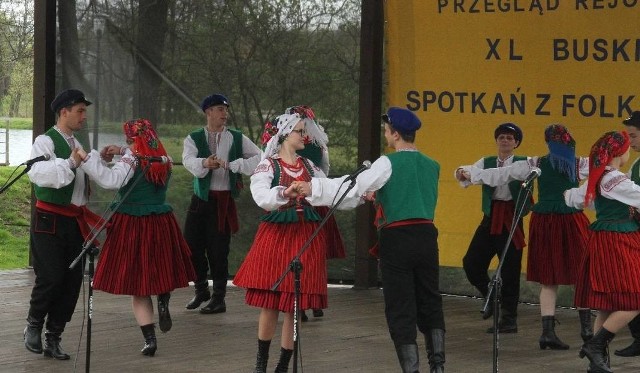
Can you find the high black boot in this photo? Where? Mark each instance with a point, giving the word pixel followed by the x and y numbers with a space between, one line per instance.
pixel 634 348
pixel 508 323
pixel 217 303
pixel 435 350
pixel 33 334
pixel 549 339
pixel 163 312
pixel 586 328
pixel 52 341
pixel 263 356
pixel 150 342
pixel 595 350
pixel 408 358
pixel 283 362
pixel 202 295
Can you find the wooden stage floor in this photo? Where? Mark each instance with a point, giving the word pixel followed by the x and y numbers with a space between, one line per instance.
pixel 351 337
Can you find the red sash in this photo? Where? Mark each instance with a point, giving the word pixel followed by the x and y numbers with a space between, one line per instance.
pixel 86 219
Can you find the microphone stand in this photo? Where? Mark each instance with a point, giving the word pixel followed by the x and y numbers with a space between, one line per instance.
pixel 7 185
pixel 296 267
pixel 90 249
pixel 495 286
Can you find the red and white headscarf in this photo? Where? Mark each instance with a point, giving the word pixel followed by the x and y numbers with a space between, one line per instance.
pixel 276 130
pixel 609 146
pixel 147 144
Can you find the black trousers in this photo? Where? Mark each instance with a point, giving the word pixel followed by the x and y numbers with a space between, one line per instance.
pixel 483 247
pixel 410 277
pixel 209 246
pixel 57 241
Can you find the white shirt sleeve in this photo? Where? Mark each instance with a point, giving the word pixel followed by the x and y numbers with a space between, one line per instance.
pixel 325 192
pixel 251 158
pixel 583 168
pixel 109 178
pixel 263 194
pixel 54 173
pixel 479 164
pixel 518 170
pixel 190 159
pixel 616 185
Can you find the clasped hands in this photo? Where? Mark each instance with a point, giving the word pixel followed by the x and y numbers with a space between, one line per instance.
pixel 213 162
pixel 297 189
pixel 463 175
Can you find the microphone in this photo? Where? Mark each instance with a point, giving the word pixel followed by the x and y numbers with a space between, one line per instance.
pixel 44 157
pixel 162 159
pixel 363 167
pixel 534 173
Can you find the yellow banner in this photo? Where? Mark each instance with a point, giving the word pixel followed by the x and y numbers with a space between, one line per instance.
pixel 465 66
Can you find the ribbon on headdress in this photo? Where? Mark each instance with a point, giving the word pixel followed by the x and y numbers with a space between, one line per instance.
pixel 562 150
pixel 147 144
pixel 610 145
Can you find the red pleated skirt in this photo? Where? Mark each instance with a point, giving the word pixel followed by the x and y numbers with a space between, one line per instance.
pixel 335 244
pixel 274 247
pixel 143 255
pixel 557 245
pixel 609 278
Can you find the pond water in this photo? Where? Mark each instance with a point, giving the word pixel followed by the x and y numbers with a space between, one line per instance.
pixel 20 144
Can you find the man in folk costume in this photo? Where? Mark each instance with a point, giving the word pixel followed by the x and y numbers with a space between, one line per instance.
pixel 61 224
pixel 217 156
pixel 404 186
pixel 558 234
pixel 490 238
pixel 632 125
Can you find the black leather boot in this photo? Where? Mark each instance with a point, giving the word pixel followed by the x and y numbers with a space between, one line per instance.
pixel 408 358
pixel 217 303
pixel 283 362
pixel 596 351
pixel 202 295
pixel 634 348
pixel 33 334
pixel 150 342
pixel 507 324
pixel 52 340
pixel 586 328
pixel 435 350
pixel 263 356
pixel 163 312
pixel 549 339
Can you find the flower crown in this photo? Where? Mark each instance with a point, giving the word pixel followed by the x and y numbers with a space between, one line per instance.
pixel 612 144
pixel 304 111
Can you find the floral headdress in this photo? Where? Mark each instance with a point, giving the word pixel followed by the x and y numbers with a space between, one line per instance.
pixel 147 144
pixel 276 130
pixel 610 145
pixel 562 150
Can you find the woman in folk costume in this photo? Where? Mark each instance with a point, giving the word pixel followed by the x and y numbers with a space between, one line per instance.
pixel 609 279
pixel 557 233
pixel 144 252
pixel 317 152
pixel 283 230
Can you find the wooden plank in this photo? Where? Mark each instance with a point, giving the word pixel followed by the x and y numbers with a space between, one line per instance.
pixel 351 337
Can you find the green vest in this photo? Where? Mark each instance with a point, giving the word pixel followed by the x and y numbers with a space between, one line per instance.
pixel 312 152
pixel 514 187
pixel 412 190
pixel 635 172
pixel 290 215
pixel 612 215
pixel 146 198
pixel 63 195
pixel 201 185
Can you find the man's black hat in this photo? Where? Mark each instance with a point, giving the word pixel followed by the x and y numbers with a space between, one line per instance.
pixel 633 120
pixel 67 98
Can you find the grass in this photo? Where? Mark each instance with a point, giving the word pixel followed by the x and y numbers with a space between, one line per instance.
pixel 14 220
pixel 17 123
